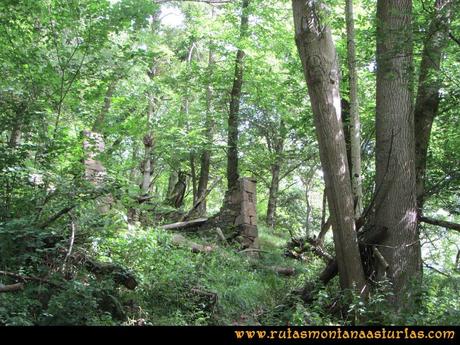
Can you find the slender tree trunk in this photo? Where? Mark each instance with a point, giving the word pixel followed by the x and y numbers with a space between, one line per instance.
pixel 395 203
pixel 98 125
pixel 147 163
pixel 277 148
pixel 205 160
pixel 319 61
pixel 173 178
pixel 273 195
pixel 16 132
pixel 148 140
pixel 427 102
pixel 233 121
pixel 345 106
pixel 307 216
pixel 324 208
pixel 193 177
pixel 355 123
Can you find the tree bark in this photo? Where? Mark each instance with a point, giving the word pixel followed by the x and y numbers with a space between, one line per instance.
pixel 319 60
pixel 205 160
pixel 429 84
pixel 395 202
pixel 147 164
pixel 355 123
pixel 233 116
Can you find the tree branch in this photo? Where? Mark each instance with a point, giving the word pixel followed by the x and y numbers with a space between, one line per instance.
pixel 443 223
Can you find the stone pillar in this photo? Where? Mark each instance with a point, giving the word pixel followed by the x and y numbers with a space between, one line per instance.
pixel 239 212
pixel 93 144
pixel 95 172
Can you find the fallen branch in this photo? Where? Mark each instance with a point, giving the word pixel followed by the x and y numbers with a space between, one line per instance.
pixel 12 287
pixel 27 278
pixel 56 216
pixel 221 235
pixel 443 223
pixel 252 250
pixel 380 257
pixel 185 225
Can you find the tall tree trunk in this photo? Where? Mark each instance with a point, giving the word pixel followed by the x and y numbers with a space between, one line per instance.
pixel 16 131
pixel 273 195
pixel 233 121
pixel 205 160
pixel 98 125
pixel 148 140
pixel 319 61
pixel 173 178
pixel 147 163
pixel 427 102
pixel 355 123
pixel 395 203
pixel 276 147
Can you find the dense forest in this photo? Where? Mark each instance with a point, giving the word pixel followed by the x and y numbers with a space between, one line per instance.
pixel 219 162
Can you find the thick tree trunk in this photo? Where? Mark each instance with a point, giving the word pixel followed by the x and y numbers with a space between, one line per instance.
pixel 355 124
pixel 395 203
pixel 273 195
pixel 233 121
pixel 426 106
pixel 319 60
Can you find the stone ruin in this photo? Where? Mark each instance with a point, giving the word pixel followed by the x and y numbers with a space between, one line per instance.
pixel 95 172
pixel 93 144
pixel 239 215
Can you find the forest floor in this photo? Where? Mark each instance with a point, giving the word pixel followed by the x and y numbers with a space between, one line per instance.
pixel 222 287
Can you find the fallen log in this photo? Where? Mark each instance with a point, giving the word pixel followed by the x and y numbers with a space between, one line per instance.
pixel 185 225
pixel 120 274
pixel 284 271
pixel 181 241
pixel 11 287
